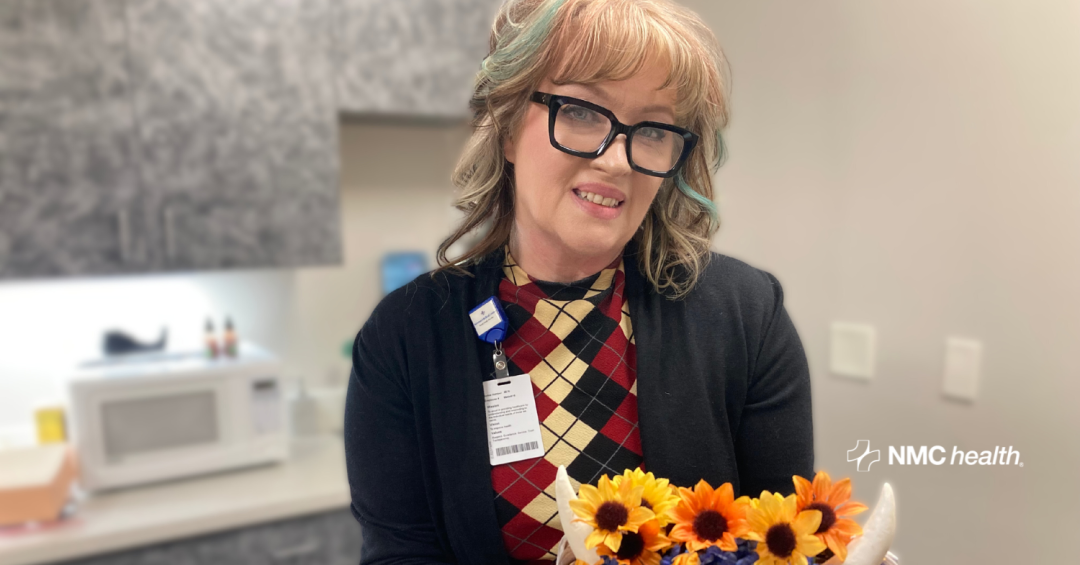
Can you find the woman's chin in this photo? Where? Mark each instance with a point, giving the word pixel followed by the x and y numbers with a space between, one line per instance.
pixel 598 242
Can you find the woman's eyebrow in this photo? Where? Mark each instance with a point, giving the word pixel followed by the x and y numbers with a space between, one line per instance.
pixel 659 109
pixel 597 95
pixel 605 100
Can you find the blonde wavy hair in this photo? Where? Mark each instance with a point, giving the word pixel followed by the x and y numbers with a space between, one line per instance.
pixel 588 41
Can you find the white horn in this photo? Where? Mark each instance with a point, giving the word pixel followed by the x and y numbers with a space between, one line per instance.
pixel 878 533
pixel 575 532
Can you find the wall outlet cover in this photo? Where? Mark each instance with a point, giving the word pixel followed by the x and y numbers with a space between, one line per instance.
pixel 852 350
pixel 963 363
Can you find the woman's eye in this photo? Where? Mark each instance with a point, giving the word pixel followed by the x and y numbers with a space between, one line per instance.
pixel 653 134
pixel 580 114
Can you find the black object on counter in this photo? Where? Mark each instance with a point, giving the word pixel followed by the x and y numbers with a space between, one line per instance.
pixel 119 343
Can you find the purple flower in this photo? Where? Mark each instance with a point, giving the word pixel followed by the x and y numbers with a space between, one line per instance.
pixel 671 555
pixel 744 554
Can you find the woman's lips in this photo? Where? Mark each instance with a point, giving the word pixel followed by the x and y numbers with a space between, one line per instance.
pixel 597 210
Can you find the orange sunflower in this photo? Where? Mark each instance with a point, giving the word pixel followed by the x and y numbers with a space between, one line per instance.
pixel 707 517
pixel 656 494
pixel 611 511
pixel 640 548
pixel 832 500
pixel 784 536
pixel 687 558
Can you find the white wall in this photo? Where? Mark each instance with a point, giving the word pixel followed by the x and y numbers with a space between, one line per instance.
pixel 915 165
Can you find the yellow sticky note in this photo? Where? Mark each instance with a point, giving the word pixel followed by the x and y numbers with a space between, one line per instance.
pixel 50 424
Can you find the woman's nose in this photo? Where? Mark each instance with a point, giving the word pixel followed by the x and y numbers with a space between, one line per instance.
pixel 614 160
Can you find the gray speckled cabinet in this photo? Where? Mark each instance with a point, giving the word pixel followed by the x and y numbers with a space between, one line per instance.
pixel 237 131
pixel 410 57
pixel 69 199
pixel 331 538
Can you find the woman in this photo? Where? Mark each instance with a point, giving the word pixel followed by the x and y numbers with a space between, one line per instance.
pixel 596 133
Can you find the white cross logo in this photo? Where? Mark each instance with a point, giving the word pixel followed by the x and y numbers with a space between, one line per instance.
pixel 868 457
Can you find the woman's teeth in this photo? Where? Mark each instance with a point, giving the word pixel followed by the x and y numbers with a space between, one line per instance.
pixel 597 199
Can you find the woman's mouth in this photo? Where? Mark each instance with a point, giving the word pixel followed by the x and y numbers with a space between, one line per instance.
pixel 598 206
pixel 597 199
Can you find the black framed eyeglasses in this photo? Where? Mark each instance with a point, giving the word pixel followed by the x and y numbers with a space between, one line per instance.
pixel 584 129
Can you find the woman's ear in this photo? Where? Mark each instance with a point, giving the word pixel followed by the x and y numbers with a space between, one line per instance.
pixel 508 150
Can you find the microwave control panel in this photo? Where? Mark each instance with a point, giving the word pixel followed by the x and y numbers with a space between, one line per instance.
pixel 266 406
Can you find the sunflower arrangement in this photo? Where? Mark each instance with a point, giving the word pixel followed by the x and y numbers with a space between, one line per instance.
pixel 638 519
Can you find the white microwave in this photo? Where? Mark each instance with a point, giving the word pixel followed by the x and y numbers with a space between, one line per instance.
pixel 163 417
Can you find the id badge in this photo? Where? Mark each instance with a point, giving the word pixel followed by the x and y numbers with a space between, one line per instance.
pixel 513 426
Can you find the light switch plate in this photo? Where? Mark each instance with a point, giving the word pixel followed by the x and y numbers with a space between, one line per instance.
pixel 852 350
pixel 963 362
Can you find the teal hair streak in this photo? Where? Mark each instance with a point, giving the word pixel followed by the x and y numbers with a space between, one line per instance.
pixel 506 61
pixel 696 196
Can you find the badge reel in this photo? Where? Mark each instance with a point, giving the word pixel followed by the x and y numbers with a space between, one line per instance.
pixel 513 428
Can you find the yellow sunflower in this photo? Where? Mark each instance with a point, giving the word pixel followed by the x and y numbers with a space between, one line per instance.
pixel 611 511
pixel 784 536
pixel 834 504
pixel 656 495
pixel 640 548
pixel 707 517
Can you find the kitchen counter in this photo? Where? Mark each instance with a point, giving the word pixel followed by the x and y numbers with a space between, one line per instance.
pixel 312 480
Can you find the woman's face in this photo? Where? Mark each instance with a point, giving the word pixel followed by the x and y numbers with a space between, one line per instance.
pixel 549 210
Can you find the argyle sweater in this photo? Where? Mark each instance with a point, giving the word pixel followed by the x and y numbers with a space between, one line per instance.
pixel 576 342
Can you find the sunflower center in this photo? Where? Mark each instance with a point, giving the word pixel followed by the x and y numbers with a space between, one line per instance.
pixel 828 516
pixel 780 539
pixel 710 525
pixel 611 516
pixel 632 546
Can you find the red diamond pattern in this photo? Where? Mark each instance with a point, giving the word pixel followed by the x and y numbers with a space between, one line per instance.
pixel 542 316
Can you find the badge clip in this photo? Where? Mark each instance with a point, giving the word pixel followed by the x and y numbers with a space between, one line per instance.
pixel 489 321
pixel 502 370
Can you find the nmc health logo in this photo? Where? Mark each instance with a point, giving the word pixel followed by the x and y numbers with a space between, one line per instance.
pixel 864 457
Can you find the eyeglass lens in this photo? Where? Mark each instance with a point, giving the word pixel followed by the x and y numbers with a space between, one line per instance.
pixel 583 129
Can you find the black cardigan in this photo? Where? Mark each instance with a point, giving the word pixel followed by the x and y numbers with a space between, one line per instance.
pixel 723 395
